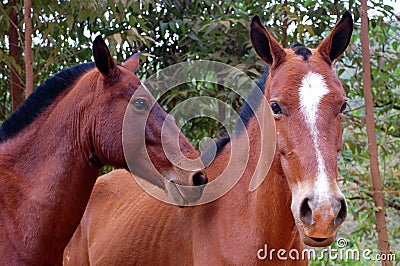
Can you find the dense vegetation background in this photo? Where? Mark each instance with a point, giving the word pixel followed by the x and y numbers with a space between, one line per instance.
pixel 168 32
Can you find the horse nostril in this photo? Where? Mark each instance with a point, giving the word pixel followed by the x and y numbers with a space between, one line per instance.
pixel 306 212
pixel 199 179
pixel 341 216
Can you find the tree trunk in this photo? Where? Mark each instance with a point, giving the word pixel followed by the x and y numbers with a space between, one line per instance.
pixel 28 48
pixel 383 241
pixel 17 88
pixel 285 24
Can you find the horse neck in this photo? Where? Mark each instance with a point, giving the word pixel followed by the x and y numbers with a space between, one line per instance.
pixel 47 182
pixel 252 219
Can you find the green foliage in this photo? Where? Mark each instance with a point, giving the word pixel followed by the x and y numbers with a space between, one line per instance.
pixel 169 32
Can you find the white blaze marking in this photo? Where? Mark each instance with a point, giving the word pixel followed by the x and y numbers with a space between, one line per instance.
pixel 312 90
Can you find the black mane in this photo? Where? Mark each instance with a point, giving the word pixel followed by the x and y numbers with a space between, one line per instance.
pixel 208 155
pixel 253 100
pixel 245 113
pixel 40 99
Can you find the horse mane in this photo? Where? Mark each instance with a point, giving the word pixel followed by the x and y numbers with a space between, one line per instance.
pixel 42 97
pixel 252 100
pixel 207 156
pixel 245 114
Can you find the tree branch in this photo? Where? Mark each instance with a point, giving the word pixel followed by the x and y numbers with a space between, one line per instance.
pixel 391 204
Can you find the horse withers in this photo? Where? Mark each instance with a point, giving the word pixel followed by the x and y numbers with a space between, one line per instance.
pixel 53 147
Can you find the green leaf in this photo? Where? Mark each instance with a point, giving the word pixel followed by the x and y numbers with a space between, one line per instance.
pixel 163 27
pixel 70 21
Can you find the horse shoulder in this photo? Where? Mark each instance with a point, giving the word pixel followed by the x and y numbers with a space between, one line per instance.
pixel 109 192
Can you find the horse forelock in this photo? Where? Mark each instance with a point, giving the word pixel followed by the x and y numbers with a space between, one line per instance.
pixel 301 50
pixel 42 97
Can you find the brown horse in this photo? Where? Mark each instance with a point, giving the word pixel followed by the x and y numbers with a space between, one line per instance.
pixel 299 203
pixel 53 146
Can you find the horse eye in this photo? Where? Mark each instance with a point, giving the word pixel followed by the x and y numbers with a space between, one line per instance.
pixel 140 104
pixel 276 109
pixel 344 107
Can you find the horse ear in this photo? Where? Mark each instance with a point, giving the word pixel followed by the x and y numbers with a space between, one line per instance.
pixel 102 57
pixel 338 40
pixel 267 48
pixel 133 62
